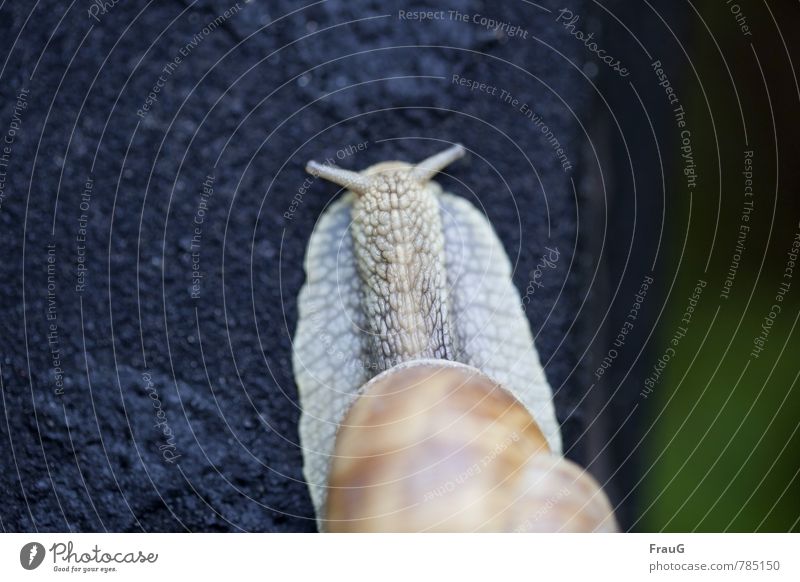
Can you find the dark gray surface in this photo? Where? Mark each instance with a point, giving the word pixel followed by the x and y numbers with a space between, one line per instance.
pixel 89 459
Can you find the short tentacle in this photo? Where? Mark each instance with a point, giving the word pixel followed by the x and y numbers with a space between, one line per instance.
pixel 431 166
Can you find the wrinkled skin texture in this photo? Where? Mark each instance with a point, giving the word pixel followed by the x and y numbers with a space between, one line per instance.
pixel 396 274
pixel 399 249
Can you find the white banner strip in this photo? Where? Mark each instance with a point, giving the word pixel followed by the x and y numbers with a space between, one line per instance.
pixel 399 557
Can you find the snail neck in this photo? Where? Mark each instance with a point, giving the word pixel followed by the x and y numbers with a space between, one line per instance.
pixel 399 251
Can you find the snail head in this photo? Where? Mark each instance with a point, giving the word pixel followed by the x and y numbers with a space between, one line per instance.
pixel 374 176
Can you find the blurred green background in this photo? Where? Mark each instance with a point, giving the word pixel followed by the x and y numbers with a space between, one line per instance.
pixel 722 450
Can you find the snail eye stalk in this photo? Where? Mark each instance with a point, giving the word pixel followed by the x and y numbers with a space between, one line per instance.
pixel 344 178
pixel 429 167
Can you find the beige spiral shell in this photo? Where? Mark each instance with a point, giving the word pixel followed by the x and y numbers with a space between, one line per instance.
pixel 438 446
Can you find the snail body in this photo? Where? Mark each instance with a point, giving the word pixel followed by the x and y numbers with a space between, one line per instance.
pixel 398 272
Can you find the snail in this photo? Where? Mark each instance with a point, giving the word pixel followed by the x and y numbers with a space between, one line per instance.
pixel 408 295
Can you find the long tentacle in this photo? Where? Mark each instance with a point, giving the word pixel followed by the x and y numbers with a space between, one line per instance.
pixel 345 178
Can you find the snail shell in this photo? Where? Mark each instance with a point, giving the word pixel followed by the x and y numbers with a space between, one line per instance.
pixel 438 446
pixel 398 270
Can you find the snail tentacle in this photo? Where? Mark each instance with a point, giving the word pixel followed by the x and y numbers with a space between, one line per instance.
pixel 345 178
pixel 429 167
